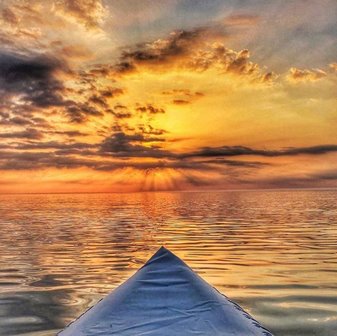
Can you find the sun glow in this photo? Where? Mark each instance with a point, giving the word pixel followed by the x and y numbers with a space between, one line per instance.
pixel 91 104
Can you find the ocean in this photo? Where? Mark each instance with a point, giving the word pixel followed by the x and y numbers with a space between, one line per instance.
pixel 273 252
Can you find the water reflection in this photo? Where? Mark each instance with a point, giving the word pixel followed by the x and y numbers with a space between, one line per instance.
pixel 273 252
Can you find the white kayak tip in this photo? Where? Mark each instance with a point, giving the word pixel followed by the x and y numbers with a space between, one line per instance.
pixel 165 298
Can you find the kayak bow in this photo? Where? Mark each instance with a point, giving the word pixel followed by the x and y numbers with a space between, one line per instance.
pixel 165 298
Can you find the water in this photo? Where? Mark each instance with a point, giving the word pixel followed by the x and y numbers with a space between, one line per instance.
pixel 274 252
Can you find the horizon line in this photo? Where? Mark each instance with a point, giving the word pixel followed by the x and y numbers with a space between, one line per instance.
pixel 171 191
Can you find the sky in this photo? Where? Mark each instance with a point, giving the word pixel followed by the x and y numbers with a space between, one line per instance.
pixel 154 95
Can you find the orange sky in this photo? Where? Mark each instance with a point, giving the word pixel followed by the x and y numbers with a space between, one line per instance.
pixel 100 96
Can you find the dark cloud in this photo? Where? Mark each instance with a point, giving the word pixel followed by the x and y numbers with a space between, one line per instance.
pixel 236 163
pixel 20 121
pixel 121 112
pixel 100 101
pixel 149 130
pixel 183 92
pixel 40 160
pixel 197 49
pixel 224 151
pixel 197 181
pixel 319 179
pixel 314 150
pixel 100 97
pixel 176 46
pixel 120 149
pixel 30 133
pixel 183 96
pixel 79 112
pixel 33 82
pixel 149 109
pixel 53 145
pixel 132 145
pixel 181 102
pixel 326 175
pixel 32 79
pixel 15 121
pixel 40 122
pixel 242 151
pixel 269 77
pixel 240 63
pixel 79 155
pixel 70 133
pixel 112 92
pixel 122 67
pixel 94 103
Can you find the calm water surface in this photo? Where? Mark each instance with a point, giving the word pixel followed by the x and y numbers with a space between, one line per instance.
pixel 274 252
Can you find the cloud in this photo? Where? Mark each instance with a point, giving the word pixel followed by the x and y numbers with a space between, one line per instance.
pixel 149 130
pixel 40 160
pixel 183 92
pixel 111 92
pixel 66 100
pixel 333 66
pixel 33 82
pixel 320 178
pixel 31 78
pixel 224 151
pixel 149 109
pixel 98 100
pixel 15 121
pixel 69 133
pixel 196 50
pixel 227 61
pixel 9 16
pixel 179 43
pixel 78 155
pixel 75 52
pixel 62 148
pixel 91 100
pixel 313 150
pixel 79 112
pixel 326 175
pixel 172 51
pixel 305 75
pixel 183 96
pixel 121 112
pixel 132 145
pixel 30 133
pixel 143 150
pixel 181 102
pixel 20 121
pixel 90 13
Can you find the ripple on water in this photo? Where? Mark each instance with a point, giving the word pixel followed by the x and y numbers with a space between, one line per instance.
pixel 271 251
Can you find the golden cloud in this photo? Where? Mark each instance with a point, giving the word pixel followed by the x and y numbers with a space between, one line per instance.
pixel 90 13
pixel 333 66
pixel 305 75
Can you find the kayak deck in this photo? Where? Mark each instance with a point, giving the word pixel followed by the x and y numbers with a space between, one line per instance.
pixel 165 298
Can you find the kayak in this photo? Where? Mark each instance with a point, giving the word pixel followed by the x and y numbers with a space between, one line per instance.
pixel 165 298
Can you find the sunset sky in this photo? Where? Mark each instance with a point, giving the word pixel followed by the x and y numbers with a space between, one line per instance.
pixel 143 95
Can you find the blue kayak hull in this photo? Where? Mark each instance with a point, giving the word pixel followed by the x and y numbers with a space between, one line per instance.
pixel 165 298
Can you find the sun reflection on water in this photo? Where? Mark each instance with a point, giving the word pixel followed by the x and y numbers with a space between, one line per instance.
pixel 271 251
